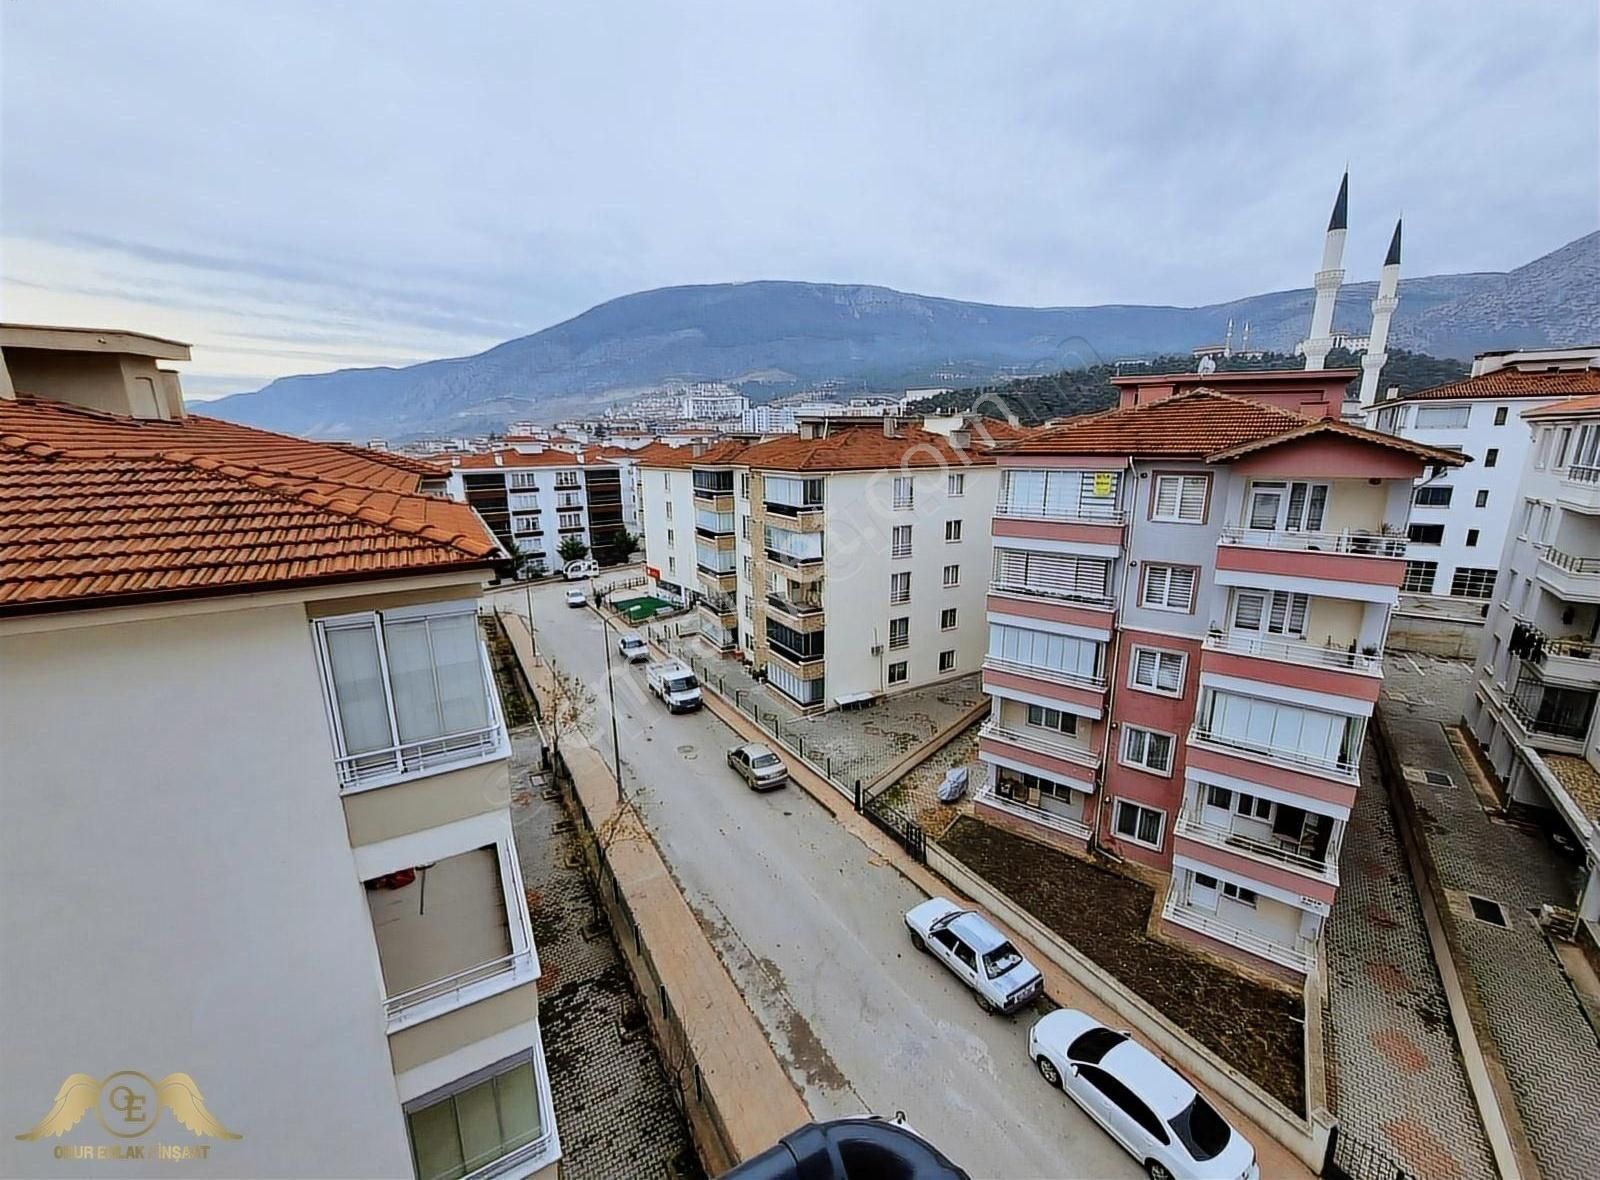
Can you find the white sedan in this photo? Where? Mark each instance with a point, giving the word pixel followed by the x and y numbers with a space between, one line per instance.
pixel 633 647
pixel 980 955
pixel 1145 1105
pixel 576 598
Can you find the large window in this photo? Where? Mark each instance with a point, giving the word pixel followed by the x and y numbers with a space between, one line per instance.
pixel 1181 498
pixel 1168 587
pixel 408 690
pixel 1057 575
pixel 792 492
pixel 900 541
pixel 1147 749
pixel 1419 577
pixel 482 1119
pixel 1141 824
pixel 1044 717
pixel 1288 507
pixel 1425 534
pixel 1271 612
pixel 900 632
pixel 1089 495
pixel 1472 583
pixel 1433 495
pixel 900 587
pixel 1066 654
pixel 1300 734
pixel 1154 670
pixel 1442 417
pixel 902 491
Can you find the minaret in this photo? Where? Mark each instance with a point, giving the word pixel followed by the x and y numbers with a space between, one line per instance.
pixel 1329 277
pixel 1382 309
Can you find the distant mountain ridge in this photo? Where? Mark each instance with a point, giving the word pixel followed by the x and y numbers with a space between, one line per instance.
pixel 774 337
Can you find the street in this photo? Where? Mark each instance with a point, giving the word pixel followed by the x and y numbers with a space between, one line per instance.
pixel 809 923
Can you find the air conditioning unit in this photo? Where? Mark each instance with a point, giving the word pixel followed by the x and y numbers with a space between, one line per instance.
pixel 877 649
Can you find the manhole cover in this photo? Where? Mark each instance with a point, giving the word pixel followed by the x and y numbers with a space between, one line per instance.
pixel 688 751
pixel 1437 778
pixel 1488 911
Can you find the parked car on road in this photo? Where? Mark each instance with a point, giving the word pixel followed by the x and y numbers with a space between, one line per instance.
pixel 1145 1105
pixel 633 647
pixel 674 684
pixel 761 769
pixel 980 955
pixel 576 598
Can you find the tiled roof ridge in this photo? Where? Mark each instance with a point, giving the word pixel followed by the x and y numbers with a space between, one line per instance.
pixel 1334 426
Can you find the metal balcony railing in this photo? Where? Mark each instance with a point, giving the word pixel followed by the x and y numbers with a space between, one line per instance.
pixel 1077 514
pixel 1053 675
pixel 1194 828
pixel 1032 739
pixel 455 984
pixel 1036 815
pixel 414 757
pixel 1291 651
pixel 1300 956
pixel 1389 543
pixel 1097 601
pixel 1338 767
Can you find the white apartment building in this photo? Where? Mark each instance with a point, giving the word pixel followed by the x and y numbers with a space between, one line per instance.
pixel 256 803
pixel 843 563
pixel 1538 676
pixel 1460 517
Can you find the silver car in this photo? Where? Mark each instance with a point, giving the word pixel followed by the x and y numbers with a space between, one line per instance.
pixel 760 768
pixel 978 954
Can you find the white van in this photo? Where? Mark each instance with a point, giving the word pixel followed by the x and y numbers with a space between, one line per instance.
pixel 675 684
pixel 585 568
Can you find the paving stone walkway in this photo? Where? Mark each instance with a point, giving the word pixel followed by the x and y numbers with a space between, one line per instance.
pixel 1395 1073
pixel 1548 1047
pixel 614 1107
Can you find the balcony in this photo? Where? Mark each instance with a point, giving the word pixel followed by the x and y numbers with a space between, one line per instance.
pixel 1336 560
pixel 1192 827
pixel 1570 661
pixel 1298 954
pixel 1032 748
pixel 1580 489
pixel 1288 651
pixel 801 518
pixel 406 760
pixel 804 667
pixel 1391 542
pixel 802 616
pixel 1089 600
pixel 1558 716
pixel 1076 514
pixel 1049 675
pixel 794 561
pixel 1570 577
pixel 1084 525
pixel 1344 769
pixel 460 988
pixel 721 607
pixel 1043 817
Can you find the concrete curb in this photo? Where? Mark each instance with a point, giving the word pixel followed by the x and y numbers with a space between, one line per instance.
pixel 1486 1075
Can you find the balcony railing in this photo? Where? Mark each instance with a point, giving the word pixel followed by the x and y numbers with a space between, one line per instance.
pixel 791 510
pixel 1034 815
pixel 1078 514
pixel 455 985
pixel 1289 651
pixel 410 758
pixel 1300 956
pixel 1053 675
pixel 1034 740
pixel 1584 474
pixel 1581 567
pixel 513 1160
pixel 1022 590
pixel 1336 767
pixel 1194 828
pixel 793 560
pixel 1568 727
pixel 790 607
pixel 1389 543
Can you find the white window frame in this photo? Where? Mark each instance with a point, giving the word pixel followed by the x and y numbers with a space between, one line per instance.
pixel 900 541
pixel 1148 579
pixel 491 746
pixel 948 612
pixel 1044 723
pixel 952 582
pixel 1161 823
pixel 952 532
pixel 1125 754
pixel 956 483
pixel 904 492
pixel 904 638
pixel 1162 655
pixel 1313 513
pixel 905 672
pixel 1183 496
pixel 896 597
pixel 947 660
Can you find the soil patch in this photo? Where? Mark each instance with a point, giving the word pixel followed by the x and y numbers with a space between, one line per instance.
pixel 1253 1027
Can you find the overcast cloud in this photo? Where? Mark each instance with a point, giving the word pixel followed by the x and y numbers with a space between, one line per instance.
pixel 296 186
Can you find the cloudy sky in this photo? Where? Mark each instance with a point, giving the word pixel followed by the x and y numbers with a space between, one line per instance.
pixel 300 185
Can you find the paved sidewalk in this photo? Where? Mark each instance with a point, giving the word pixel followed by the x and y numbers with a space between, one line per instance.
pixel 1538 1027
pixel 1395 1074
pixel 614 1106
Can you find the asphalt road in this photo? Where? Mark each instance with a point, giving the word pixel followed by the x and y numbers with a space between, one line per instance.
pixel 809 923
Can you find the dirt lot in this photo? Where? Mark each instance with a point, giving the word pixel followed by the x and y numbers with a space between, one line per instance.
pixel 1103 914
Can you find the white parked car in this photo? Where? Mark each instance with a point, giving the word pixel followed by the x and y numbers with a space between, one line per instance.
pixel 584 568
pixel 633 647
pixel 1146 1105
pixel 576 598
pixel 980 955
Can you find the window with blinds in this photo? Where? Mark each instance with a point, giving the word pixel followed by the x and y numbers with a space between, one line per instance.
pixel 1159 671
pixel 1168 587
pixel 1056 575
pixel 1091 495
pixel 1271 613
pixel 1181 499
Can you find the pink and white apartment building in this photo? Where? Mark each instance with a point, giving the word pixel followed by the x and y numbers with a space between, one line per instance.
pixel 1187 614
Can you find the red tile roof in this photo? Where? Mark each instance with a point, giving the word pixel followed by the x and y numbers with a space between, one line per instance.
pixel 100 510
pixel 1513 383
pixel 425 468
pixel 1573 405
pixel 487 460
pixel 864 447
pixel 1202 425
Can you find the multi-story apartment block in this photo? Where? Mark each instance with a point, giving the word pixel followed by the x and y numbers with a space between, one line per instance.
pixel 255 793
pixel 1533 709
pixel 1187 611
pixel 1460 517
pixel 844 562
pixel 535 500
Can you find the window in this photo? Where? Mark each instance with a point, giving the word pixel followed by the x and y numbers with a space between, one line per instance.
pixel 669 509
pixel 947 661
pixel 902 491
pixel 1565 441
pixel 900 587
pixel 1045 650
pixel 408 690
pixel 1492 456
pixel 1271 612
pixel 1239 894
pixel 672 564
pixel 749 567
pixel 947 619
pixel 952 530
pixel 569 520
pixel 1541 458
pixel 1158 671
pixel 1419 577
pixel 1252 806
pixel 1442 417
pixel 671 537
pixel 900 541
pixel 1044 717
pixel 952 575
pixel 1181 498
pixel 1168 587
pixel 744 485
pixel 524 523
pixel 1426 534
pixel 1528 509
pixel 1054 575
pixel 1130 1103
pixel 1141 824
pixel 1147 749
pixel 479 1122
pixel 744 528
pixel 1481 500
pixel 566 479
pixel 1059 495
pixel 897 673
pixel 569 500
pixel 1467 582
pixel 899 632
pixel 1290 732
pixel 1434 495
pixel 1500 415
pixel 1472 538
pixel 749 608
pixel 1288 507
pixel 956 483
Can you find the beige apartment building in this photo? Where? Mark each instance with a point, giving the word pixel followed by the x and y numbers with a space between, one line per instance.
pixel 256 855
pixel 844 562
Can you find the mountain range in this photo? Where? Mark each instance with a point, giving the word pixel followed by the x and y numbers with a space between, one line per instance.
pixel 770 338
